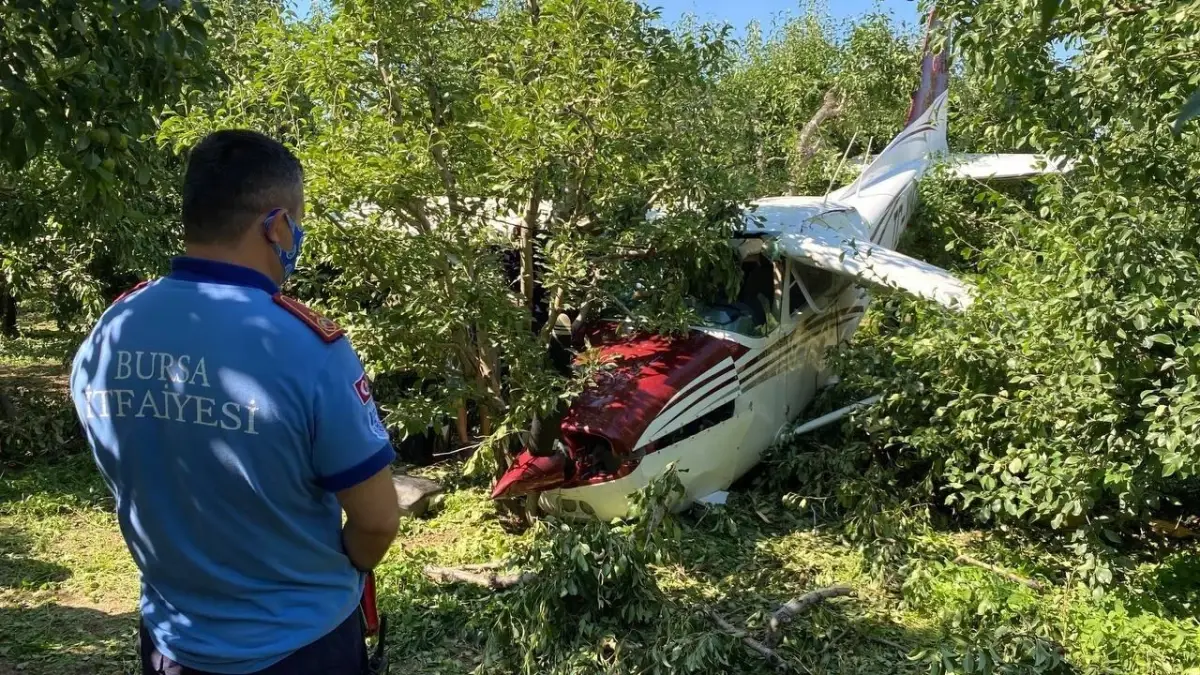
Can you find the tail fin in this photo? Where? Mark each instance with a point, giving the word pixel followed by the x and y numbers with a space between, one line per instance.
pixel 924 133
pixel 935 74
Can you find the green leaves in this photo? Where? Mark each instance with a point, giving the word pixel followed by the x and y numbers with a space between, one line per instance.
pixel 88 80
pixel 1065 401
pixel 460 114
pixel 601 575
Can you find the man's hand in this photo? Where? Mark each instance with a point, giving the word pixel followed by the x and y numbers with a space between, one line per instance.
pixel 372 518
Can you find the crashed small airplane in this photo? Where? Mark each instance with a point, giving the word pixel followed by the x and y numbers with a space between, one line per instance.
pixel 713 400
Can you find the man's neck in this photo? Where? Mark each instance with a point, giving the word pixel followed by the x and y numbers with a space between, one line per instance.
pixel 224 254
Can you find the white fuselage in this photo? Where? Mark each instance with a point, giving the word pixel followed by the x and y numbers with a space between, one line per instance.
pixel 779 374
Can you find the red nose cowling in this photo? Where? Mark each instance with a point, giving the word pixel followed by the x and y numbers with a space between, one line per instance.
pixel 531 474
pixel 645 373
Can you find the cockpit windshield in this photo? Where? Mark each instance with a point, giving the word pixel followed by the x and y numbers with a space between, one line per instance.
pixel 755 311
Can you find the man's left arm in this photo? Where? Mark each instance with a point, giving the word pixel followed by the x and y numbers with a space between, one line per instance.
pixel 352 455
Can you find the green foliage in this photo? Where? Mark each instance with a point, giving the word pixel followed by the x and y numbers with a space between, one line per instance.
pixel 59 545
pixel 421 125
pixel 988 626
pixel 1060 412
pixel 1064 401
pixel 37 419
pixel 44 424
pixel 867 69
pixel 80 188
pixel 595 603
pixel 84 78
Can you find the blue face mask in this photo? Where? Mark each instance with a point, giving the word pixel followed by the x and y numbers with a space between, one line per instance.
pixel 287 259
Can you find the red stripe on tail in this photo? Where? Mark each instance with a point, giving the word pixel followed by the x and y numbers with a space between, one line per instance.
pixel 935 74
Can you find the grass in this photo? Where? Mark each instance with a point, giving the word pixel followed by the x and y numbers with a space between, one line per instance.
pixel 68 590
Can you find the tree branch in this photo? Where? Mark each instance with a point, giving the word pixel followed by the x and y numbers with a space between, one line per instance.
pixel 528 236
pixel 585 309
pixel 793 607
pixel 806 142
pixel 437 149
pixel 556 306
pixel 492 580
pixel 750 642
pixel 1016 578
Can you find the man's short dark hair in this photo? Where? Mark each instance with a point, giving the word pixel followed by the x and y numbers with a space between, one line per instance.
pixel 232 177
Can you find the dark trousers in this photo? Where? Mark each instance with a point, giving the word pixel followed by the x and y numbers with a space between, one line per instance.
pixel 341 652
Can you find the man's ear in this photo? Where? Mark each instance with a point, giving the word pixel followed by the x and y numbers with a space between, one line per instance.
pixel 276 227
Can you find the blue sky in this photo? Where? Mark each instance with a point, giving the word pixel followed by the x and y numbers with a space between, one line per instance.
pixel 738 13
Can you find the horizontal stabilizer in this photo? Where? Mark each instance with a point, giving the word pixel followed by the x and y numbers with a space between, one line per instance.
pixel 827 249
pixel 1002 166
pixel 991 166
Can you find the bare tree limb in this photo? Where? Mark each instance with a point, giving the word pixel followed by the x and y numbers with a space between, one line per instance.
pixel 1016 578
pixel 492 580
pixel 793 607
pixel 585 309
pixel 806 142
pixel 556 306
pixel 1174 530
pixel 780 663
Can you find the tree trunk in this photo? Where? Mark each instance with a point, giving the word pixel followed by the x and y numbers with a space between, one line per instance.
pixel 8 312
pixel 464 434
pixel 529 232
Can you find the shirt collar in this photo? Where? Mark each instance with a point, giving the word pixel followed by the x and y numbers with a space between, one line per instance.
pixel 200 270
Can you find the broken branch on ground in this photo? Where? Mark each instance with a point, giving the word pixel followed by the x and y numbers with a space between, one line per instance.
pixel 750 642
pixel 490 579
pixel 1016 578
pixel 793 607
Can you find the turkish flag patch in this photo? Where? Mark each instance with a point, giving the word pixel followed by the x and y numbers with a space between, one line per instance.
pixel 362 387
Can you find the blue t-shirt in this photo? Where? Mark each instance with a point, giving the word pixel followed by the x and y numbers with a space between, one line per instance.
pixel 224 424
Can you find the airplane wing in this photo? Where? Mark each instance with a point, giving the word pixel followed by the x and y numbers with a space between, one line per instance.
pixel 1001 166
pixel 992 166
pixel 825 248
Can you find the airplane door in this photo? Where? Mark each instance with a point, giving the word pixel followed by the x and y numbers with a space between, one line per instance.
pixel 813 305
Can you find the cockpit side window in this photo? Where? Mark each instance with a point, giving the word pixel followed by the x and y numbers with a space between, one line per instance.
pixel 809 285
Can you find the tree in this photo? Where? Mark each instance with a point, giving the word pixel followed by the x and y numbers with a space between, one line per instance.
pixel 1067 398
pixel 812 90
pixel 81 85
pixel 436 136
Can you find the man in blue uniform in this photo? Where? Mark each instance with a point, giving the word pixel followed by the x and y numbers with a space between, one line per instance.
pixel 233 426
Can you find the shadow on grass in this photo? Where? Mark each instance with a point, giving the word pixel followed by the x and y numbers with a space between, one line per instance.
pixel 19 570
pixel 55 639
pixel 747 559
